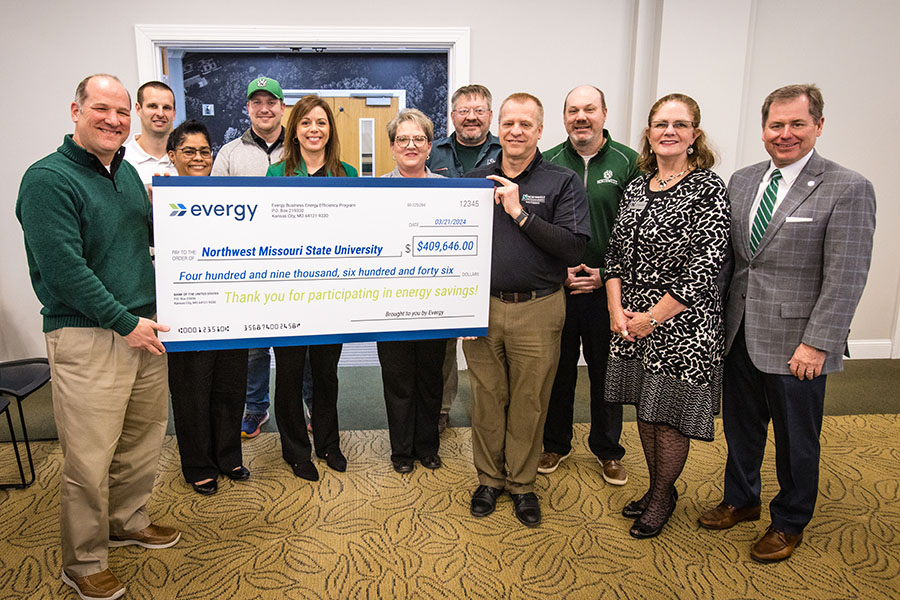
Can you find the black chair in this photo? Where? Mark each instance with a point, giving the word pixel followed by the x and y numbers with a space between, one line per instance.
pixel 20 379
pixel 4 407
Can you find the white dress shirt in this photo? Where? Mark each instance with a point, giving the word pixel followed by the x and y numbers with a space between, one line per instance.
pixel 789 175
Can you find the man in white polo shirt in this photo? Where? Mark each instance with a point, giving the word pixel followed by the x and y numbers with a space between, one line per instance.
pixel 146 151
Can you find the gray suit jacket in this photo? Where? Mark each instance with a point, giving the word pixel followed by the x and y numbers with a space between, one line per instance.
pixel 806 277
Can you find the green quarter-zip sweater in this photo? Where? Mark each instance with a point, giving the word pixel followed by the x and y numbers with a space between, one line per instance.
pixel 605 179
pixel 87 240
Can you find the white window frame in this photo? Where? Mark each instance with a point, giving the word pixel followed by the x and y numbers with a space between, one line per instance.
pixel 150 39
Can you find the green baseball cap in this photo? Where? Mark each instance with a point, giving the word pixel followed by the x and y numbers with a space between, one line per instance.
pixel 265 84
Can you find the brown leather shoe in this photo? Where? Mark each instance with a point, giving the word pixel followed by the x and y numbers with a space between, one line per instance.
pixel 775 545
pixel 152 536
pixel 98 585
pixel 549 461
pixel 614 472
pixel 725 516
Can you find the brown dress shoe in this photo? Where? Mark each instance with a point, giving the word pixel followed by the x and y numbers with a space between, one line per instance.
pixel 614 472
pixel 775 545
pixel 97 585
pixel 152 536
pixel 725 516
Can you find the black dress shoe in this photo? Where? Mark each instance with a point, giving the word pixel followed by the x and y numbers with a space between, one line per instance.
pixel 484 500
pixel 431 462
pixel 403 466
pixel 633 509
pixel 305 470
pixel 335 460
pixel 527 508
pixel 242 473
pixel 206 489
pixel 643 532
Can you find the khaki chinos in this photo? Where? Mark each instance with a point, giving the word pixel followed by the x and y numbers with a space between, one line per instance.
pixel 511 372
pixel 110 402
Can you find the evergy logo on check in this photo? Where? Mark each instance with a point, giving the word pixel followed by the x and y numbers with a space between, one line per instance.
pixel 255 261
pixel 238 212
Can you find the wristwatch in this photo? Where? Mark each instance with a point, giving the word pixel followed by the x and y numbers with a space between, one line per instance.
pixel 521 218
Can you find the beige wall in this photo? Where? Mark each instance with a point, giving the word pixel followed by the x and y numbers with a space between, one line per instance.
pixel 524 46
pixel 851 51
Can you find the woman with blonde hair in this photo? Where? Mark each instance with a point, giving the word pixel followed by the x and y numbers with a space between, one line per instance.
pixel 412 370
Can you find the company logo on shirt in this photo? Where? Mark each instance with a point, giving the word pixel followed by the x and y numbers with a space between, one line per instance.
pixel 490 161
pixel 608 178
pixel 532 199
pixel 238 212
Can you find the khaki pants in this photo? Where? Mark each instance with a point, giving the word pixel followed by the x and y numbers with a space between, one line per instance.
pixel 511 372
pixel 110 403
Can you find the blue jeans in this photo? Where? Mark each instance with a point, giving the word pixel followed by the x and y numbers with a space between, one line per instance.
pixel 259 363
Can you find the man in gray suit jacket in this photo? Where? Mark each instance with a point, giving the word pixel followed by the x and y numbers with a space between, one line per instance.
pixel 801 237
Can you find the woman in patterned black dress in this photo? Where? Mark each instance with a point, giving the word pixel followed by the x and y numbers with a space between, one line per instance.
pixel 666 250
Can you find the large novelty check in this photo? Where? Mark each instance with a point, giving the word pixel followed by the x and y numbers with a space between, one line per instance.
pixel 245 262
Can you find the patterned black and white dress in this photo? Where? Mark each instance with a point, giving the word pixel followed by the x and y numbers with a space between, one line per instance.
pixel 671 241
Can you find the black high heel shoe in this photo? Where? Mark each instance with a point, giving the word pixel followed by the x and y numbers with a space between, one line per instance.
pixel 207 488
pixel 633 509
pixel 643 532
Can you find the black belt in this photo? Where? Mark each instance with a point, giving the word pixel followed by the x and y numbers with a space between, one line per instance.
pixel 514 297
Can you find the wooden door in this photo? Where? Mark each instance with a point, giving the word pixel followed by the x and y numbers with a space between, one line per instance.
pixel 348 114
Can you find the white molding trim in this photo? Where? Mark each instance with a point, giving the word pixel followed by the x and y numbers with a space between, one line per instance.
pixel 150 38
pixel 895 353
pixel 866 349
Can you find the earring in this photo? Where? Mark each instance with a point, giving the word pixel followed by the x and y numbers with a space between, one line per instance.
pixel 690 150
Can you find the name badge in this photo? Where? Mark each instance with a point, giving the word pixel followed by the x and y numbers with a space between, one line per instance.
pixel 639 205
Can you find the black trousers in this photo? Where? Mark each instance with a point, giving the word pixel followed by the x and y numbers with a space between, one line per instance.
pixel 412 374
pixel 208 390
pixel 289 363
pixel 750 398
pixel 587 327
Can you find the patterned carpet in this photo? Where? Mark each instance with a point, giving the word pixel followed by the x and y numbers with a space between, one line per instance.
pixel 371 533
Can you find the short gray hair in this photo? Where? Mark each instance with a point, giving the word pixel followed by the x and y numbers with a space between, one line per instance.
pixel 415 116
pixel 471 90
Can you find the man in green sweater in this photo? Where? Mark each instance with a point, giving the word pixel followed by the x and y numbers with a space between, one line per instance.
pixel 86 220
pixel 605 167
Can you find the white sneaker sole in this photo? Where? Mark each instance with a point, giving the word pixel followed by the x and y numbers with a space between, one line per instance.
pixel 548 470
pixel 75 587
pixel 120 543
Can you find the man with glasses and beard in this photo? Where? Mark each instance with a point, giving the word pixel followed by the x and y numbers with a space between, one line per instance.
pixel 471 145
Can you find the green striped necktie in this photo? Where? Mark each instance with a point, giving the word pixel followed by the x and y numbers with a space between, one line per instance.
pixel 764 213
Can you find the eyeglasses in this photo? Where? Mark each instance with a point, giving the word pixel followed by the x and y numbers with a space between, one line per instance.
pixel 479 112
pixel 678 125
pixel 404 140
pixel 192 152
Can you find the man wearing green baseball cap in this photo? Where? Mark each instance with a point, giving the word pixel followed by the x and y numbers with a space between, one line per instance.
pixel 250 155
pixel 265 84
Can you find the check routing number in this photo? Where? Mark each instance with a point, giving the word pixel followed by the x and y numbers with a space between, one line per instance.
pixel 245 262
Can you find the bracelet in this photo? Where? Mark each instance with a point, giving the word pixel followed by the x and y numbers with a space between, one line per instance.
pixel 653 322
